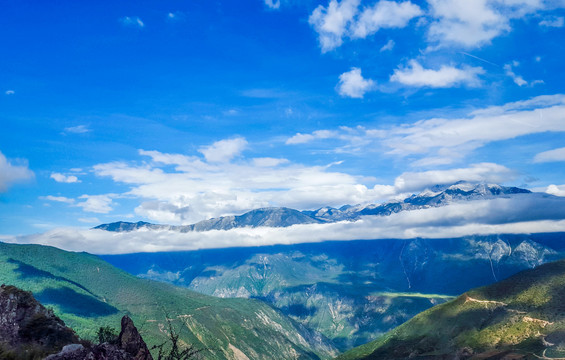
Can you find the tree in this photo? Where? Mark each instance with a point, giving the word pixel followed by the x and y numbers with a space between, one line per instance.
pixel 173 351
pixel 107 334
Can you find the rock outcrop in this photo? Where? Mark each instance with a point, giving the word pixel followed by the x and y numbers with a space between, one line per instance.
pixel 30 331
pixel 27 328
pixel 130 346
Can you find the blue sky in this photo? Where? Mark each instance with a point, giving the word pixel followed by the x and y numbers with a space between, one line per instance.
pixel 176 111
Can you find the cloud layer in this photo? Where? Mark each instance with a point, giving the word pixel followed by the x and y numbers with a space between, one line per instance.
pixel 518 214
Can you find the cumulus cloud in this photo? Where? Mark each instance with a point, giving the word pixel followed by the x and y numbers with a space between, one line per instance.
pixel 101 204
pixel 557 190
pixel 332 22
pixel 9 92
pixel 445 77
pixel 352 84
pixel 58 177
pixel 12 174
pixel 344 19
pixel 224 150
pixel 550 156
pixel 384 14
pixel 465 23
pixel 512 215
pixel 197 190
pixel 132 21
pixel 461 23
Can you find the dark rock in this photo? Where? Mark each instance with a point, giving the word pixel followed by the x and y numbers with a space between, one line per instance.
pixel 130 346
pixel 26 326
pixel 131 341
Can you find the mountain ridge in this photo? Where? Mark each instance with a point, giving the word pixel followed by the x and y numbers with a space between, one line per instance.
pixel 437 196
pixel 521 317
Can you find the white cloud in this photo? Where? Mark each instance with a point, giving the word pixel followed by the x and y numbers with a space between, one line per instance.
pixel 557 22
pixel 9 92
pixel 557 190
pixel 513 215
pixel 445 137
pixel 197 190
pixel 12 174
pixel 483 172
pixel 384 14
pixel 224 150
pixel 465 23
pixel 518 80
pixel 331 23
pixel 550 156
pixel 305 138
pixel 61 199
pixel 441 141
pixel 352 84
pixel 80 129
pixel 132 21
pixel 388 46
pixel 58 177
pixel 273 4
pixel 445 77
pixel 269 162
pixel 343 19
pixel 96 203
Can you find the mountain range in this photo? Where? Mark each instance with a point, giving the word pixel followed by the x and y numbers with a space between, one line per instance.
pixel 283 217
pixel 350 291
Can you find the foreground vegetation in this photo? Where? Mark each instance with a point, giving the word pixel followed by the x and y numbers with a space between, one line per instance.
pixel 520 317
pixel 88 293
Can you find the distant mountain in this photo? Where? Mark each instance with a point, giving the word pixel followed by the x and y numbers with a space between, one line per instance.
pixel 436 197
pixel 283 217
pixel 351 291
pixel 274 217
pixel 522 317
pixel 87 292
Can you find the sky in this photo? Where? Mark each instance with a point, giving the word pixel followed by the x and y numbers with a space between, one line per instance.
pixel 177 111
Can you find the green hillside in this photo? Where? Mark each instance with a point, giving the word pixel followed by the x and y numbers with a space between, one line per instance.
pixel 520 317
pixel 87 293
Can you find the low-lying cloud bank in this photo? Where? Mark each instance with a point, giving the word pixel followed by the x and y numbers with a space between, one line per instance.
pixel 528 213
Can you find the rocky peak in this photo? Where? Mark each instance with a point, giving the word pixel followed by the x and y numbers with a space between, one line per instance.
pixel 130 341
pixel 27 326
pixel 130 346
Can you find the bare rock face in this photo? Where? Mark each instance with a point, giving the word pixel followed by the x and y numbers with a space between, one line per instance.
pixel 130 341
pixel 130 346
pixel 26 326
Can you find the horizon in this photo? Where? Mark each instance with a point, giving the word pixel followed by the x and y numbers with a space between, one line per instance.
pixel 177 112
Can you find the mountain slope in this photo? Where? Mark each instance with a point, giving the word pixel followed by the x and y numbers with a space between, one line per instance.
pixel 351 291
pixel 523 315
pixel 87 293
